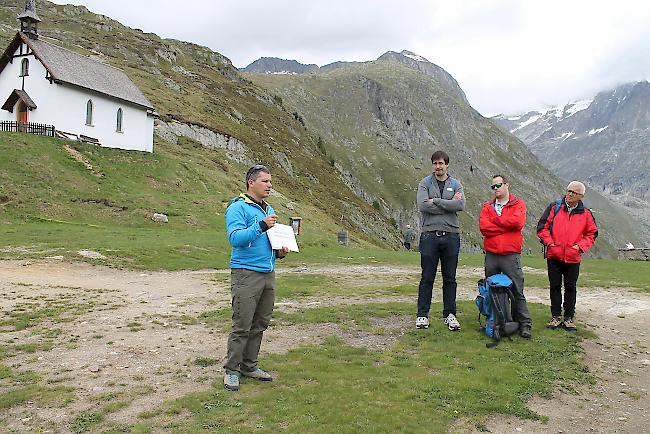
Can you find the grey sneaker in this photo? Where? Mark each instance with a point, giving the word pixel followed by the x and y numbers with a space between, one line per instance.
pixel 231 381
pixel 422 322
pixel 554 323
pixel 258 374
pixel 452 322
pixel 569 325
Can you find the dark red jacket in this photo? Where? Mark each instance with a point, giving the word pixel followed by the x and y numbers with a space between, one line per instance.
pixel 569 229
pixel 502 234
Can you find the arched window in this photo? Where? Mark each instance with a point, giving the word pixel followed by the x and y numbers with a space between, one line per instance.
pixel 24 68
pixel 118 127
pixel 89 112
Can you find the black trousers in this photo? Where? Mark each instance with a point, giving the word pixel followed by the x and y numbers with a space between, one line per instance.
pixel 558 271
pixel 510 264
pixel 434 249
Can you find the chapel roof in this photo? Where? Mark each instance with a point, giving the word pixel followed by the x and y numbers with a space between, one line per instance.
pixel 68 67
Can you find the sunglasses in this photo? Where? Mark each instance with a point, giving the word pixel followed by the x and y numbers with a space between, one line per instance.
pixel 575 193
pixel 497 185
pixel 255 168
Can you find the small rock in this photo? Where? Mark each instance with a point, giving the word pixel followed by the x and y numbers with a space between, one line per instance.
pixel 90 254
pixel 645 362
pixel 160 218
pixel 93 368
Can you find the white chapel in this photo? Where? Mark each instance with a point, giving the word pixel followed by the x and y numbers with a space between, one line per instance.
pixel 42 84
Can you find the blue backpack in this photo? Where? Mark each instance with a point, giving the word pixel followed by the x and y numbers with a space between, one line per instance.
pixel 494 302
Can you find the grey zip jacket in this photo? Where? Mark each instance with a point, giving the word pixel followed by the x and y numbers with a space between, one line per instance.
pixel 442 213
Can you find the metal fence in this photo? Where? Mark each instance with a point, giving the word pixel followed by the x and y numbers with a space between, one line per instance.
pixel 28 127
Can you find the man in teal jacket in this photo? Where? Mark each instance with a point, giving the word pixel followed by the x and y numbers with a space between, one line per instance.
pixel 252 265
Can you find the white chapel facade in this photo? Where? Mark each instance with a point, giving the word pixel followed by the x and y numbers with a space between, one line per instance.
pixel 46 84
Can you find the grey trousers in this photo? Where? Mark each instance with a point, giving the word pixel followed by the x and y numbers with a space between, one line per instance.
pixel 511 265
pixel 253 296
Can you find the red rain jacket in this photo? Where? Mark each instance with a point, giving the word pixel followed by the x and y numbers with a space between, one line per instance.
pixel 502 234
pixel 568 229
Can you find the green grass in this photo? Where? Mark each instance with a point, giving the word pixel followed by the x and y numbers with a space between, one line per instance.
pixel 18 387
pixel 205 361
pixel 63 308
pixel 422 383
pixel 111 214
pixel 293 286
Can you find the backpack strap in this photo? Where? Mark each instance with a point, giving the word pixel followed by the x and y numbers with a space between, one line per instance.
pixel 558 205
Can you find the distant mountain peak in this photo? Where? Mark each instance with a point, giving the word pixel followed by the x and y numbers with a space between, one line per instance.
pixel 275 65
pixel 404 53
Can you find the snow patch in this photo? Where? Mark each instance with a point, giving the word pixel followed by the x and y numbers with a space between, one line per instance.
pixel 514 118
pixel 577 106
pixel 566 136
pixel 558 111
pixel 415 57
pixel 528 122
pixel 596 131
pixel 282 73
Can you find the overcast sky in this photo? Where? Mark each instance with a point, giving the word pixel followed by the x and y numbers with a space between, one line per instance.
pixel 509 56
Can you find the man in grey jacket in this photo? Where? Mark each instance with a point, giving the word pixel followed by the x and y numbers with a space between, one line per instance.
pixel 439 199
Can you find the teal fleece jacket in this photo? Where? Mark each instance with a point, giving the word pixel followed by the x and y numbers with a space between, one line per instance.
pixel 251 248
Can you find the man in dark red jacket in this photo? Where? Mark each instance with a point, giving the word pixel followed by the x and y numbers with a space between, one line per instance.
pixel 501 222
pixel 567 229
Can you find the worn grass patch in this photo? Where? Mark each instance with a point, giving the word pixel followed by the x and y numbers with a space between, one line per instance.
pixel 62 308
pixel 422 383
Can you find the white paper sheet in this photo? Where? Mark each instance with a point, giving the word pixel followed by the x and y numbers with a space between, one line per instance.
pixel 282 236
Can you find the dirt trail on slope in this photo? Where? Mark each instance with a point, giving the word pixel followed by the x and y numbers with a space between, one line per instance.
pixel 137 336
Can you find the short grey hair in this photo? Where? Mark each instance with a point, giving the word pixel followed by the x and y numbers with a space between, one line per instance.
pixel 576 186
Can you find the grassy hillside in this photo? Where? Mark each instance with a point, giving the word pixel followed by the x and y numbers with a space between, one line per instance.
pixel 195 85
pixel 51 204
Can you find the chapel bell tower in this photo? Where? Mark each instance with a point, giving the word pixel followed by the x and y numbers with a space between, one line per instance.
pixel 29 20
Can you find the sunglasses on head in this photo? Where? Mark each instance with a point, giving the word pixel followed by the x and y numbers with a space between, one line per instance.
pixel 255 168
pixel 574 193
pixel 497 185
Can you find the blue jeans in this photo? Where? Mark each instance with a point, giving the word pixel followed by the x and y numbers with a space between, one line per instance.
pixel 445 249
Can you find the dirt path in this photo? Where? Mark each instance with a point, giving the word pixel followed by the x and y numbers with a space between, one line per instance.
pixel 134 336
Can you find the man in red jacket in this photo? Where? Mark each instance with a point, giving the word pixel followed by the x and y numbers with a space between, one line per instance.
pixel 501 222
pixel 567 229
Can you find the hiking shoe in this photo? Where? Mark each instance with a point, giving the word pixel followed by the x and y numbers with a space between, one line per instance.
pixel 452 322
pixel 525 332
pixel 258 374
pixel 422 322
pixel 569 325
pixel 231 381
pixel 554 323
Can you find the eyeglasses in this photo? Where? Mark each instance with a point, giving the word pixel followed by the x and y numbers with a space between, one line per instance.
pixel 497 185
pixel 575 193
pixel 255 168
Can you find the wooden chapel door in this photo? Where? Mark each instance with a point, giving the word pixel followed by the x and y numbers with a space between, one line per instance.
pixel 22 116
